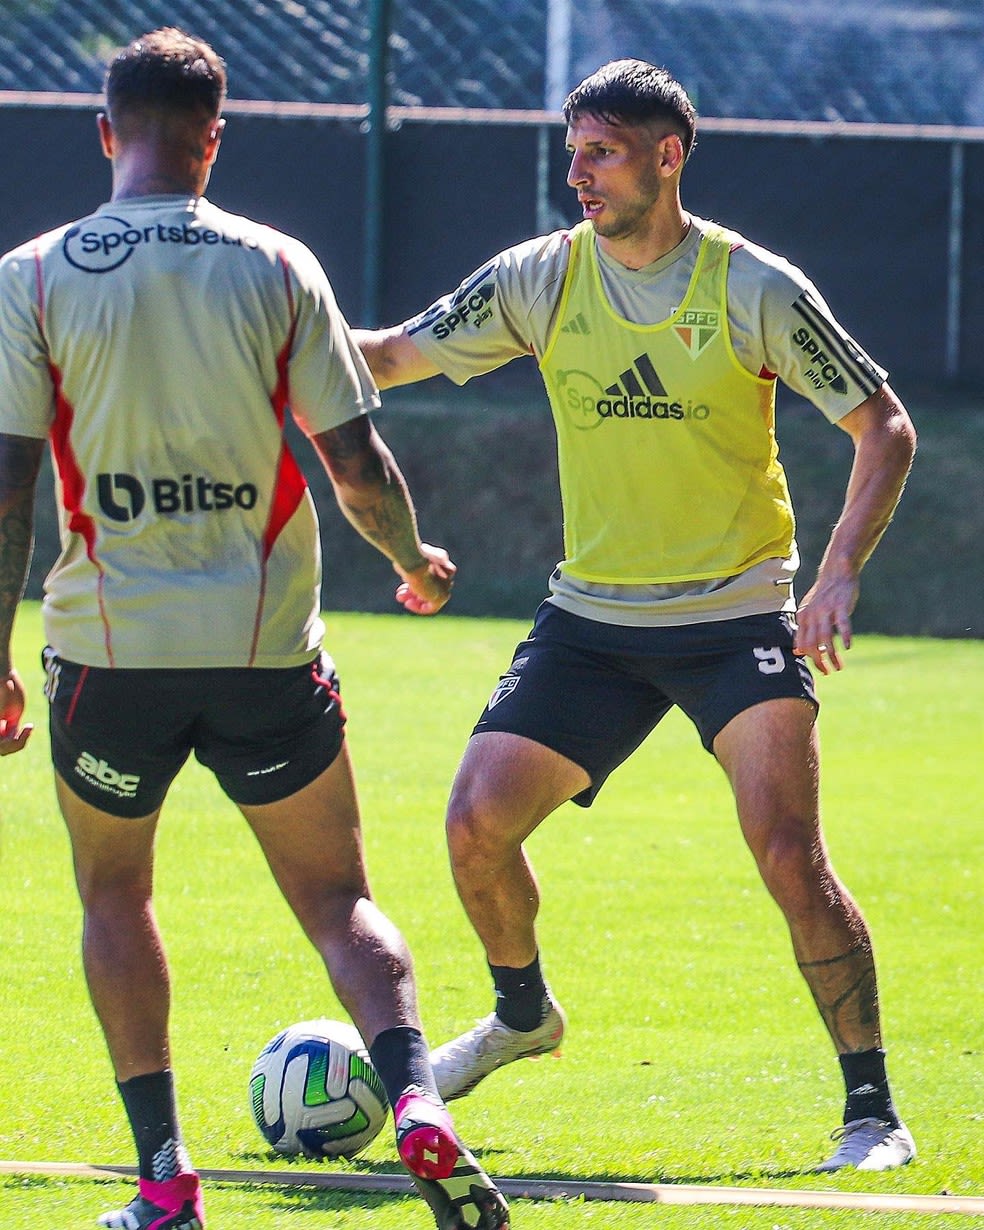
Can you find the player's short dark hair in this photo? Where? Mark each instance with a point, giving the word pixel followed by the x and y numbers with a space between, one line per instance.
pixel 634 92
pixel 166 70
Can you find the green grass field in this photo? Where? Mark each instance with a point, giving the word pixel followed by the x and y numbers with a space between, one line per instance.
pixel 694 1053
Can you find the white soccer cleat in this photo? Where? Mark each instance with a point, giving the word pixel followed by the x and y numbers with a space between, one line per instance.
pixel 871 1144
pixel 460 1064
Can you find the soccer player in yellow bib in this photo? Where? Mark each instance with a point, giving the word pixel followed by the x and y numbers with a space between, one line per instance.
pixel 159 345
pixel 660 337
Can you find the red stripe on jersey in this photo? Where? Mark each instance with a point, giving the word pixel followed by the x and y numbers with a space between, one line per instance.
pixel 70 476
pixel 72 482
pixel 290 484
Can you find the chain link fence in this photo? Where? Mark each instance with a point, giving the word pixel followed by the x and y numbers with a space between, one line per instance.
pixel 853 61
pixel 490 53
pixel 858 61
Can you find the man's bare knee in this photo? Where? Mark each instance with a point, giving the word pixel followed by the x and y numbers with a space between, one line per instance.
pixel 472 833
pixel 796 871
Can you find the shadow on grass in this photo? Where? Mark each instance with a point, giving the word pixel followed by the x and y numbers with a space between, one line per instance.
pixel 287 1198
pixel 735 1178
pixel 319 1200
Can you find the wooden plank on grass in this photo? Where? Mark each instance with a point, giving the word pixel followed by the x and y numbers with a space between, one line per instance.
pixel 553 1189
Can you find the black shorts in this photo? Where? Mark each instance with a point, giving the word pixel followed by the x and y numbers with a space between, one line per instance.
pixel 593 691
pixel 119 737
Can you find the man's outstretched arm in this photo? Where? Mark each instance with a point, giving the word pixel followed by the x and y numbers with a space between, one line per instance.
pixel 393 357
pixel 373 496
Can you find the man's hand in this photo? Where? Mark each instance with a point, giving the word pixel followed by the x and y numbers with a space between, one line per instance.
pixel 426 589
pixel 823 618
pixel 13 736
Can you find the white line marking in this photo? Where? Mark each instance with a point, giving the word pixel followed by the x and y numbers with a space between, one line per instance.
pixel 552 1189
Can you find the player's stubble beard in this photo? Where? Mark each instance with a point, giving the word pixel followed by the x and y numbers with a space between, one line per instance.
pixel 628 219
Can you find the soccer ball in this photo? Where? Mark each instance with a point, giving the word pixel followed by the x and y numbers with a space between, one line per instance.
pixel 313 1090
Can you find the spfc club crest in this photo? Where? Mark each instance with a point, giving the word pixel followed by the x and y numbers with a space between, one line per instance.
pixel 697 329
pixel 503 688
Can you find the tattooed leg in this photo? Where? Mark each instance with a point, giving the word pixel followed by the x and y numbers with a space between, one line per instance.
pixel 771 756
pixel 846 993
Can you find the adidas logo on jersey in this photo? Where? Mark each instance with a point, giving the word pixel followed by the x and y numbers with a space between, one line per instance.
pixel 638 393
pixel 577 325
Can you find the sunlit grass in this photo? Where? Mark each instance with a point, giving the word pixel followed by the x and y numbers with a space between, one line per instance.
pixel 694 1053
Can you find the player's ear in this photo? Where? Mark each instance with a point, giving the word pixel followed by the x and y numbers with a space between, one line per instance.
pixel 106 136
pixel 214 140
pixel 671 153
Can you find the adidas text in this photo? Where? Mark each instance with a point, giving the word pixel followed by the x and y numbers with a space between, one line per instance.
pixel 648 408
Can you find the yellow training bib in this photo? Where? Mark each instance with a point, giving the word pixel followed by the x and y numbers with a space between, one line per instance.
pixel 669 467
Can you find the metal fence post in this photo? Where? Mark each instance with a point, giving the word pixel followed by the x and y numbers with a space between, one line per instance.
pixel 558 54
pixel 954 281
pixel 379 26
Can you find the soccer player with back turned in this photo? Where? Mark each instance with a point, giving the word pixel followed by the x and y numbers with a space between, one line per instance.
pixel 660 337
pixel 159 344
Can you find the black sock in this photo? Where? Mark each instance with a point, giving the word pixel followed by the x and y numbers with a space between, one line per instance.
pixel 521 995
pixel 868 1095
pixel 401 1058
pixel 150 1107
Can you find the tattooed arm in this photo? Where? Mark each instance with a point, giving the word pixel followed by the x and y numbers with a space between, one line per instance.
pixel 373 496
pixel 20 461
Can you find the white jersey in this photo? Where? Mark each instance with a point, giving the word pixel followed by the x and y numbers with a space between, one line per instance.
pixel 159 344
pixel 780 328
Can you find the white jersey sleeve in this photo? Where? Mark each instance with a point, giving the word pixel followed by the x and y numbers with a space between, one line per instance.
pixel 26 390
pixel 330 381
pixel 782 327
pixel 500 312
